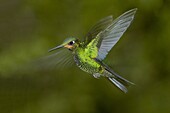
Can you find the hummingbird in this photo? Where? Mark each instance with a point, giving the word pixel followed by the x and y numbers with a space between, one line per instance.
pixel 88 54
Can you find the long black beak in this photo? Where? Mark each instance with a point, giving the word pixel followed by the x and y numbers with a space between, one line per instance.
pixel 60 46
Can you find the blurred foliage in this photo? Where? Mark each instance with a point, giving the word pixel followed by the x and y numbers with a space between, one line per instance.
pixel 28 28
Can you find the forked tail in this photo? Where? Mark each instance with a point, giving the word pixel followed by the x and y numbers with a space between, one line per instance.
pixel 118 81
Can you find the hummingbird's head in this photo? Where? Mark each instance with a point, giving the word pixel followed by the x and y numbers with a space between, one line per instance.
pixel 69 43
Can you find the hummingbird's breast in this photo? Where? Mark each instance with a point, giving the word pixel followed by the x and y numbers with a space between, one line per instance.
pixel 85 62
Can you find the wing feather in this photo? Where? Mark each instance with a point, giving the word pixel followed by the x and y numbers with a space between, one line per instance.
pixel 60 59
pixel 111 35
pixel 97 28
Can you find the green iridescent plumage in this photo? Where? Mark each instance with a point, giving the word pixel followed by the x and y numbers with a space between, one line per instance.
pixel 89 53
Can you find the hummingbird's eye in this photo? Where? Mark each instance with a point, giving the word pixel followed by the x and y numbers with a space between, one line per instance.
pixel 71 43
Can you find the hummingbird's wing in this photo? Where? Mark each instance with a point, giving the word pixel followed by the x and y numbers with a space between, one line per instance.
pixel 111 35
pixel 60 59
pixel 97 28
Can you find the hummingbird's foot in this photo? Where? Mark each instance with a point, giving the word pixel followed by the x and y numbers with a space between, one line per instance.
pixel 96 75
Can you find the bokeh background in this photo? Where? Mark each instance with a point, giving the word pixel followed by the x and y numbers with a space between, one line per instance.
pixel 28 28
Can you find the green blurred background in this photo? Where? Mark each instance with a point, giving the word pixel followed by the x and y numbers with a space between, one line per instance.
pixel 28 28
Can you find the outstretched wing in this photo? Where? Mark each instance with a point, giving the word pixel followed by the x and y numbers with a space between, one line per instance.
pixel 97 28
pixel 61 59
pixel 111 35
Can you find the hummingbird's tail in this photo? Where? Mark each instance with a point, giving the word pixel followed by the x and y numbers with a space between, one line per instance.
pixel 118 84
pixel 118 81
